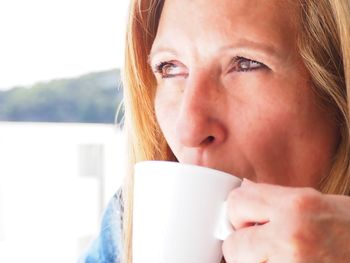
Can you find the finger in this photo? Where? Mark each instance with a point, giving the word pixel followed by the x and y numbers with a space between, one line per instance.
pixel 246 209
pixel 247 245
pixel 255 203
pixel 270 191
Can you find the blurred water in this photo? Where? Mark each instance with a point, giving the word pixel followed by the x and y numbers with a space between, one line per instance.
pixel 55 180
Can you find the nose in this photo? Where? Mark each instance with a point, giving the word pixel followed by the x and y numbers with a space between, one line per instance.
pixel 199 122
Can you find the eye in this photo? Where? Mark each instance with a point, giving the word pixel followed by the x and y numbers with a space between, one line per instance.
pixel 241 64
pixel 170 69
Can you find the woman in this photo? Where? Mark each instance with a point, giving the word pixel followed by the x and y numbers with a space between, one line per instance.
pixel 257 89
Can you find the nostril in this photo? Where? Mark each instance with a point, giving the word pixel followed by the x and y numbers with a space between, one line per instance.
pixel 209 139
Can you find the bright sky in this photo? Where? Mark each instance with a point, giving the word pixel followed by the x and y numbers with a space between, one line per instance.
pixel 46 39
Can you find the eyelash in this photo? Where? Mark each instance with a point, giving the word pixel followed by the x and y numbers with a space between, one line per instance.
pixel 159 68
pixel 239 59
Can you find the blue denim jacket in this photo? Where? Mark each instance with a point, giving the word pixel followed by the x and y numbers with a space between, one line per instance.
pixel 107 247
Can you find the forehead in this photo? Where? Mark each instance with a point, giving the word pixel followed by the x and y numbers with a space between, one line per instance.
pixel 208 21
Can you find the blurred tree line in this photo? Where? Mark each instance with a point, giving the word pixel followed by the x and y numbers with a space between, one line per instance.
pixel 91 98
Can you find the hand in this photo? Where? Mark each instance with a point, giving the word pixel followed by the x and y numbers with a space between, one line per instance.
pixel 282 224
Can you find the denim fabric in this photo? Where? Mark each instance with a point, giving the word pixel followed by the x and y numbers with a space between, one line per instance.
pixel 106 248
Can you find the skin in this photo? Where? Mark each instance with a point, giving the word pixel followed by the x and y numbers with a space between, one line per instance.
pixel 233 94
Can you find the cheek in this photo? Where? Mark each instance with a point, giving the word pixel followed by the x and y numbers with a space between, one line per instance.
pixel 264 138
pixel 270 113
pixel 260 114
pixel 264 132
pixel 283 137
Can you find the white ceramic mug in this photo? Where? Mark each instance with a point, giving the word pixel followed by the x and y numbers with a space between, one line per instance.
pixel 178 214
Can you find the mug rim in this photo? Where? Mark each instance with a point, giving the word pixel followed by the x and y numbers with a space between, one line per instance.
pixel 198 167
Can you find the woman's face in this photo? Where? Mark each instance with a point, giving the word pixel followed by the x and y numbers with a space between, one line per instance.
pixel 233 93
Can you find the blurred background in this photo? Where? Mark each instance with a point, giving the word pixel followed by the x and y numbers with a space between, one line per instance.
pixel 62 149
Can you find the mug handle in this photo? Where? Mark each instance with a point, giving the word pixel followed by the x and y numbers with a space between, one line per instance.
pixel 224 228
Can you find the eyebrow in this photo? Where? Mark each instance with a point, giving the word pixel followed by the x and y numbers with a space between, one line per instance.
pixel 244 43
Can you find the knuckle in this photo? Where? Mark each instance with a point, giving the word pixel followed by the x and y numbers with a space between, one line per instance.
pixel 302 231
pixel 302 206
pixel 304 201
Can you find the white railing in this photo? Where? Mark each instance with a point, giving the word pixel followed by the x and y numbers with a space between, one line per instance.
pixel 55 180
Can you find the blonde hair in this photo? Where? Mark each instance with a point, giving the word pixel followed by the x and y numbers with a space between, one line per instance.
pixel 324 44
